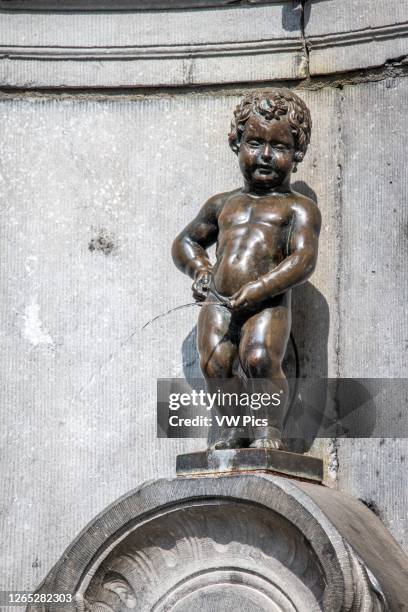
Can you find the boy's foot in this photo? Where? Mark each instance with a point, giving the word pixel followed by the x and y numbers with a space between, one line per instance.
pixel 231 439
pixel 227 444
pixel 268 443
pixel 266 437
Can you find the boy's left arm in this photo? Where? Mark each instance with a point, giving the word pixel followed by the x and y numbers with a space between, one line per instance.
pixel 295 269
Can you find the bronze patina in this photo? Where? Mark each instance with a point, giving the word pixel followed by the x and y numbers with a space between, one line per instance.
pixel 266 237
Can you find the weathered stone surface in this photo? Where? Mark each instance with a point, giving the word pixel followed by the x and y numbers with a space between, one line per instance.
pixel 327 17
pixel 261 542
pixel 145 29
pixel 188 69
pixel 350 35
pixel 373 289
pixel 374 220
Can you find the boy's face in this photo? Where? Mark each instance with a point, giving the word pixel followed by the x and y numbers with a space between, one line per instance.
pixel 266 153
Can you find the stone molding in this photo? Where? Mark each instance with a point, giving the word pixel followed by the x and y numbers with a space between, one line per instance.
pixel 148 52
pixel 359 36
pixel 121 5
pixel 354 34
pixel 256 541
pixel 79 49
pixel 151 48
pixel 369 47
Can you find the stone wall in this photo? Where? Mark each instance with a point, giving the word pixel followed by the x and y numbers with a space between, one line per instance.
pixel 95 184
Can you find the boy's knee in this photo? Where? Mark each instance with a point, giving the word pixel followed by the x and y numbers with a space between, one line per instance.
pixel 216 365
pixel 260 363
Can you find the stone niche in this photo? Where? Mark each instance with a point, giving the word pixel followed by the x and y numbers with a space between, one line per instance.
pixel 249 542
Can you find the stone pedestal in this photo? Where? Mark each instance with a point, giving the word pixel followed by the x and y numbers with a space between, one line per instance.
pixel 250 460
pixel 253 542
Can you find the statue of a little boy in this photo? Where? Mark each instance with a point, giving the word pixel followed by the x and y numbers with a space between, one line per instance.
pixel 267 241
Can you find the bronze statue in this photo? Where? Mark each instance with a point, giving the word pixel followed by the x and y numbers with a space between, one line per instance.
pixel 267 240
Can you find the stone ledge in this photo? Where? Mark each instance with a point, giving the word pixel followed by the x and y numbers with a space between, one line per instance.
pixel 123 5
pixel 219 462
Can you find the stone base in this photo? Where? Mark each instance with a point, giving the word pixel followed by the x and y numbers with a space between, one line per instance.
pixel 253 542
pixel 223 462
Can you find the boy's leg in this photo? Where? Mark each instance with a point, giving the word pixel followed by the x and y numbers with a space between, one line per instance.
pixel 217 347
pixel 262 348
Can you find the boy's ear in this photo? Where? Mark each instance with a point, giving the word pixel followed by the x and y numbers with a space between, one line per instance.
pixel 299 155
pixel 234 146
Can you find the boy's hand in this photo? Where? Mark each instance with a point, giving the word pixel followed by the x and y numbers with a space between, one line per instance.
pixel 248 297
pixel 201 285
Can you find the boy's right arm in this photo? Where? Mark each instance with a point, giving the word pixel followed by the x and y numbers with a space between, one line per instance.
pixel 189 248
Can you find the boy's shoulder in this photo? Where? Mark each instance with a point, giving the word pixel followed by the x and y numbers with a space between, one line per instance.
pixel 299 199
pixel 217 201
pixel 303 204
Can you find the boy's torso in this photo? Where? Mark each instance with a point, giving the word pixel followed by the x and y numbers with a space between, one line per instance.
pixel 253 238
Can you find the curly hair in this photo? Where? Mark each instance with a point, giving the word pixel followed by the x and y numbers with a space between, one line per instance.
pixel 272 105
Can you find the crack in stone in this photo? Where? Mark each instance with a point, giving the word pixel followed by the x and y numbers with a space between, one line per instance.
pixel 305 44
pixel 333 466
pixel 338 220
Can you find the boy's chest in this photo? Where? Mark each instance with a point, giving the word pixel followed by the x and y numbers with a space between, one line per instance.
pixel 246 210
